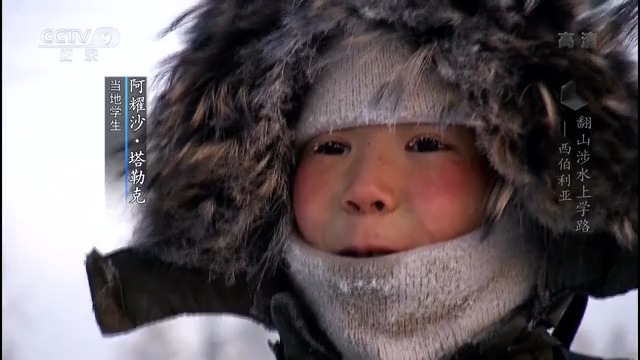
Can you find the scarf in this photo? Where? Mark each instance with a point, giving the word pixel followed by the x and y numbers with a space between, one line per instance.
pixel 424 303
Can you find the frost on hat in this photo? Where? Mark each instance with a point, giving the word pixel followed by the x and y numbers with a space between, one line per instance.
pixel 376 82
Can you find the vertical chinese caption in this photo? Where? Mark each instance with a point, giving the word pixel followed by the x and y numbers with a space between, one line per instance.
pixel 126 126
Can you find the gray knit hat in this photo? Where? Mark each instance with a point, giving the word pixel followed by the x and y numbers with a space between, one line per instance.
pixel 381 82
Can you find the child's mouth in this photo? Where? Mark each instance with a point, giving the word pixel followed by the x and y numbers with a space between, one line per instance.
pixel 366 254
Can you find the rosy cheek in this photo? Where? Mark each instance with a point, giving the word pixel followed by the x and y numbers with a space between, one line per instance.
pixel 447 198
pixel 310 200
pixel 447 183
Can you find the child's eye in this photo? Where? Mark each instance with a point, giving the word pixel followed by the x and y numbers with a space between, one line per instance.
pixel 425 144
pixel 331 148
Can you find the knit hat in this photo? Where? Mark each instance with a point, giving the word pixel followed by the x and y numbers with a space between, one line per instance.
pixel 381 82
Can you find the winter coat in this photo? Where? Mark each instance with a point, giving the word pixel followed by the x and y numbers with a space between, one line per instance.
pixel 218 208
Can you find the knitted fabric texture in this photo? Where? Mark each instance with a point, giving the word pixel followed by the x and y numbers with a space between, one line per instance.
pixel 419 304
pixel 375 83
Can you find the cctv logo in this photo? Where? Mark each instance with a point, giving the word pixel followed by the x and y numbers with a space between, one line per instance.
pixel 104 37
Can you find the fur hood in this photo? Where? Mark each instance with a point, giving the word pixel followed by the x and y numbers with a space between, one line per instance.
pixel 221 134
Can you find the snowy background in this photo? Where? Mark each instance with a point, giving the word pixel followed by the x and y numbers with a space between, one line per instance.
pixel 54 209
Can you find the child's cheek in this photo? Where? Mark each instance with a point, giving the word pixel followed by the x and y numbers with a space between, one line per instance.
pixel 445 182
pixel 310 199
pixel 445 198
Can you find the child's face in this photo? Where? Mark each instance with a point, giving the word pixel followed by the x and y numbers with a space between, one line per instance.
pixel 377 190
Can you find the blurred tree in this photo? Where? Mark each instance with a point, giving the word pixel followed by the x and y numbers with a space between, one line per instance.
pixel 584 342
pixel 619 343
pixel 152 343
pixel 234 338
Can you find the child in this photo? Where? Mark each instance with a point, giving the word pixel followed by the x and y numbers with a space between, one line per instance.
pixel 381 180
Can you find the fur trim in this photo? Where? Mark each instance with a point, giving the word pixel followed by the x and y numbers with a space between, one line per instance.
pixel 222 146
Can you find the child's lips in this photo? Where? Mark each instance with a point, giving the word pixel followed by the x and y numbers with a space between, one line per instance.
pixel 363 241
pixel 365 252
pixel 372 246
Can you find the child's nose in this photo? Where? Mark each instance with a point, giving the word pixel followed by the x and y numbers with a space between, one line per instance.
pixel 369 198
pixel 372 180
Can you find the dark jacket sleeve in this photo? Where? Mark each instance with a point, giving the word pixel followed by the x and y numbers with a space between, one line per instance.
pixel 129 289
